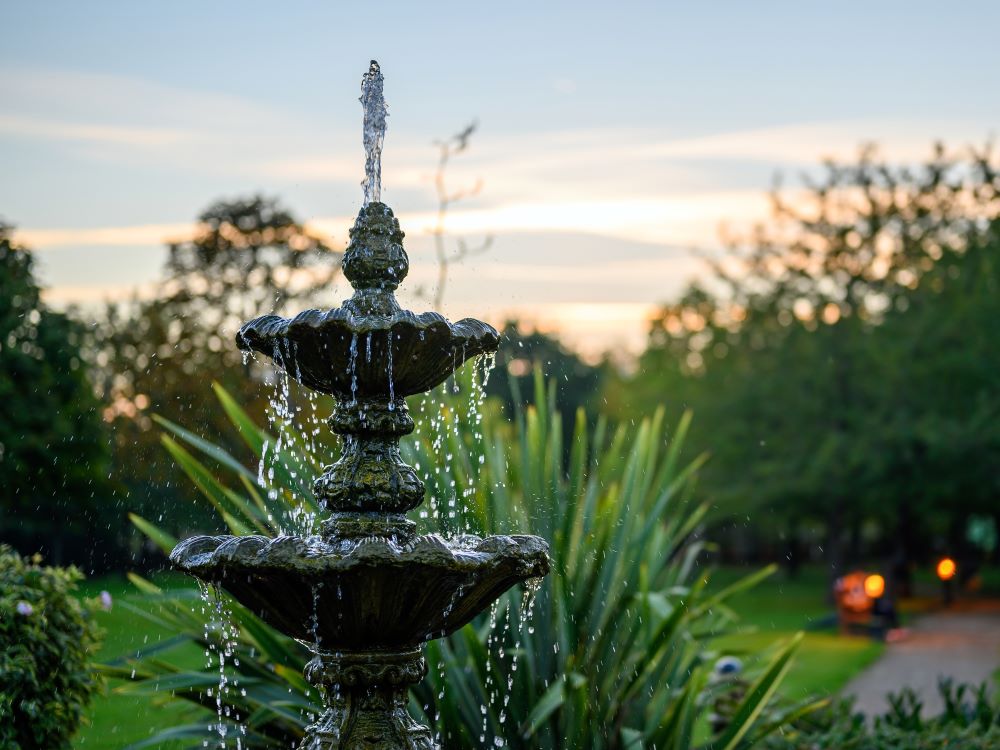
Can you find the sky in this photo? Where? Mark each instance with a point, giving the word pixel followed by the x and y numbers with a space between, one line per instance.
pixel 614 139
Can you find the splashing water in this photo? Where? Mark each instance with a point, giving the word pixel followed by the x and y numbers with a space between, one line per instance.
pixel 455 456
pixel 314 619
pixel 352 367
pixel 494 636
pixel 376 111
pixel 477 397
pixel 222 638
pixel 511 634
pixel 288 462
pixel 392 385
pixel 475 445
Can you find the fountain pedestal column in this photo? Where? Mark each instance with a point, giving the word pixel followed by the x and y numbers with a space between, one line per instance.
pixel 366 699
pixel 370 487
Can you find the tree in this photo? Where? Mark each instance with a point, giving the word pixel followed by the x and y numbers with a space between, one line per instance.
pixel 55 494
pixel 523 351
pixel 788 349
pixel 937 411
pixel 249 257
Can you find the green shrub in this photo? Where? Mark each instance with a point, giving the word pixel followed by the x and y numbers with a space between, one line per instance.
pixel 616 653
pixel 970 721
pixel 46 640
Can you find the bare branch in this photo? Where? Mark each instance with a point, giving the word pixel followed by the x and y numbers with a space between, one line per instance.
pixel 447 149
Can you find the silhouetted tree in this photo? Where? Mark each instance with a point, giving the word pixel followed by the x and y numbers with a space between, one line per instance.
pixel 521 351
pixel 159 356
pixel 54 490
pixel 787 351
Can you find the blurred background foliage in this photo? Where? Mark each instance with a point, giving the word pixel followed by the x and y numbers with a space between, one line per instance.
pixel 840 361
pixel 970 720
pixel 251 256
pixel 56 487
pixel 842 366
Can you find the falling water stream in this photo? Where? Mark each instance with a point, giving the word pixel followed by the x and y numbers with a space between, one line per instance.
pixel 294 451
pixel 439 425
pixel 222 640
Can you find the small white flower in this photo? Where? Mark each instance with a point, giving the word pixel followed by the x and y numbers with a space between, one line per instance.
pixel 23 608
pixel 106 601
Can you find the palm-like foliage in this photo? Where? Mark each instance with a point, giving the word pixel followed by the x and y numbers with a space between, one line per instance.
pixel 615 654
pixel 264 700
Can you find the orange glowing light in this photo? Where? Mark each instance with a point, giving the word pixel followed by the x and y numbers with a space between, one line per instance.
pixel 946 569
pixel 874 586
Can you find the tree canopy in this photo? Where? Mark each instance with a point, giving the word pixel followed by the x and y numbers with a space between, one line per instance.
pixel 158 356
pixel 839 361
pixel 53 445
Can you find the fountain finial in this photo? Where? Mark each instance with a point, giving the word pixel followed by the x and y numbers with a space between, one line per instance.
pixel 375 262
pixel 374 130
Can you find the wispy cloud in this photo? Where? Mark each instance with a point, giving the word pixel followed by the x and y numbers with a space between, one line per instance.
pixel 125 100
pixel 136 121
pixel 660 219
pixel 90 295
pixel 40 128
pixel 581 165
pixel 139 235
pixel 563 85
pixel 901 140
pixel 205 130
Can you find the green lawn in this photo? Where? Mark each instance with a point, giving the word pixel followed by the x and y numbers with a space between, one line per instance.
pixel 777 609
pixel 117 719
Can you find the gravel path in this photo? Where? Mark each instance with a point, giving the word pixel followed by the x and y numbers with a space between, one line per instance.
pixel 963 643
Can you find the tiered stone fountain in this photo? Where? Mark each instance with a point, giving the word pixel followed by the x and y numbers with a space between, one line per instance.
pixel 368 591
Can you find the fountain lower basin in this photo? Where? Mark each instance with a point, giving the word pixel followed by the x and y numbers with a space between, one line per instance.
pixel 366 594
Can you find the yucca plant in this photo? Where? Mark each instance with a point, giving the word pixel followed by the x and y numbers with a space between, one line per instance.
pixel 616 653
pixel 252 680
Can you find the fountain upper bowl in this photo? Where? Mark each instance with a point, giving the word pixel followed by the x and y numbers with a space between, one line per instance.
pixel 348 355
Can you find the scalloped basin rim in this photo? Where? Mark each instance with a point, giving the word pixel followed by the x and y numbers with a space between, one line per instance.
pixel 334 351
pixel 275 326
pixel 203 554
pixel 378 595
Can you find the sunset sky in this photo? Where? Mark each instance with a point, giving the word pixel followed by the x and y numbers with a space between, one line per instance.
pixel 614 138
